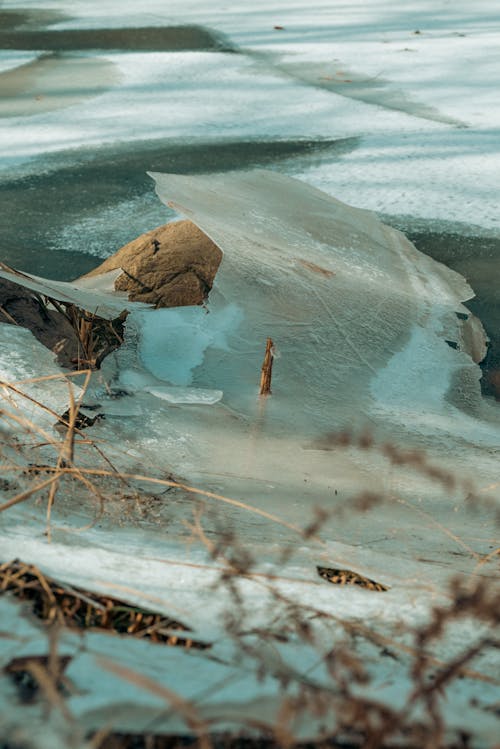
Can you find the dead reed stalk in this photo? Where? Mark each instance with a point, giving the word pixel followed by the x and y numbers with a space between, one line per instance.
pixel 267 369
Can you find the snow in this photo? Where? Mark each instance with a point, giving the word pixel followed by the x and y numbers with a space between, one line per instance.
pixel 367 334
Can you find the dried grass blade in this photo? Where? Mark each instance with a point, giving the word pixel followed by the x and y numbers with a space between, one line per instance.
pixel 28 493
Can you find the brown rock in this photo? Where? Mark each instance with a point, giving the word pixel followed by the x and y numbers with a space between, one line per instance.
pixel 19 306
pixel 171 266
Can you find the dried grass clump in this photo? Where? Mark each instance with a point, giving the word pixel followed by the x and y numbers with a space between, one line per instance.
pixel 97 337
pixel 58 603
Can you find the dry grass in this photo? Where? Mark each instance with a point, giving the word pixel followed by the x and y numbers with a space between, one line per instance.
pixel 362 720
pixel 59 603
pixel 96 336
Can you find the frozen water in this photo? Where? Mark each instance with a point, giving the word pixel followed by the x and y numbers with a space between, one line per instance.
pixel 173 341
pixel 135 380
pixel 313 274
pixel 97 296
pixel 12 60
pixel 360 319
pixel 187 395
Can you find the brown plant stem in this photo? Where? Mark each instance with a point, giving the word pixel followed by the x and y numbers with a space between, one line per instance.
pixel 267 369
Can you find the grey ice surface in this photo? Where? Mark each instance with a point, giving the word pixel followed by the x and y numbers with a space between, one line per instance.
pixel 355 313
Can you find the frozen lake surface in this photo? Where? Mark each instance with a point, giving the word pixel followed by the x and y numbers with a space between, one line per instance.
pixel 386 110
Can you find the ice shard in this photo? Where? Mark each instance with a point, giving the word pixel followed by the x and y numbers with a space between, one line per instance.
pixel 96 295
pixel 340 293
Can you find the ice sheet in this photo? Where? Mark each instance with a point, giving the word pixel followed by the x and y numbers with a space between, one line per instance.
pixel 346 301
pixel 174 341
pixel 137 381
pixel 313 274
pixel 268 452
pixel 285 81
pixel 97 297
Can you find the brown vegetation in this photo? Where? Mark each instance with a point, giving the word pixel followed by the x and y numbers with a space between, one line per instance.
pixel 65 605
pixel 362 720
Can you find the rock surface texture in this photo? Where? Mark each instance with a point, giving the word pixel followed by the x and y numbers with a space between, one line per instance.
pixel 19 306
pixel 171 266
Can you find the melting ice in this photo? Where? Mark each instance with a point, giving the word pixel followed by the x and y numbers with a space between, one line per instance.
pixel 360 319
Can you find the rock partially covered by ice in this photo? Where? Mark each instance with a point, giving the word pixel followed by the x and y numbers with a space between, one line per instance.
pixel 341 294
pixel 171 266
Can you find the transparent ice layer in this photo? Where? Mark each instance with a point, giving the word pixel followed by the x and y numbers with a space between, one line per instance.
pixel 96 295
pixel 365 329
pixel 353 310
pixel 338 292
